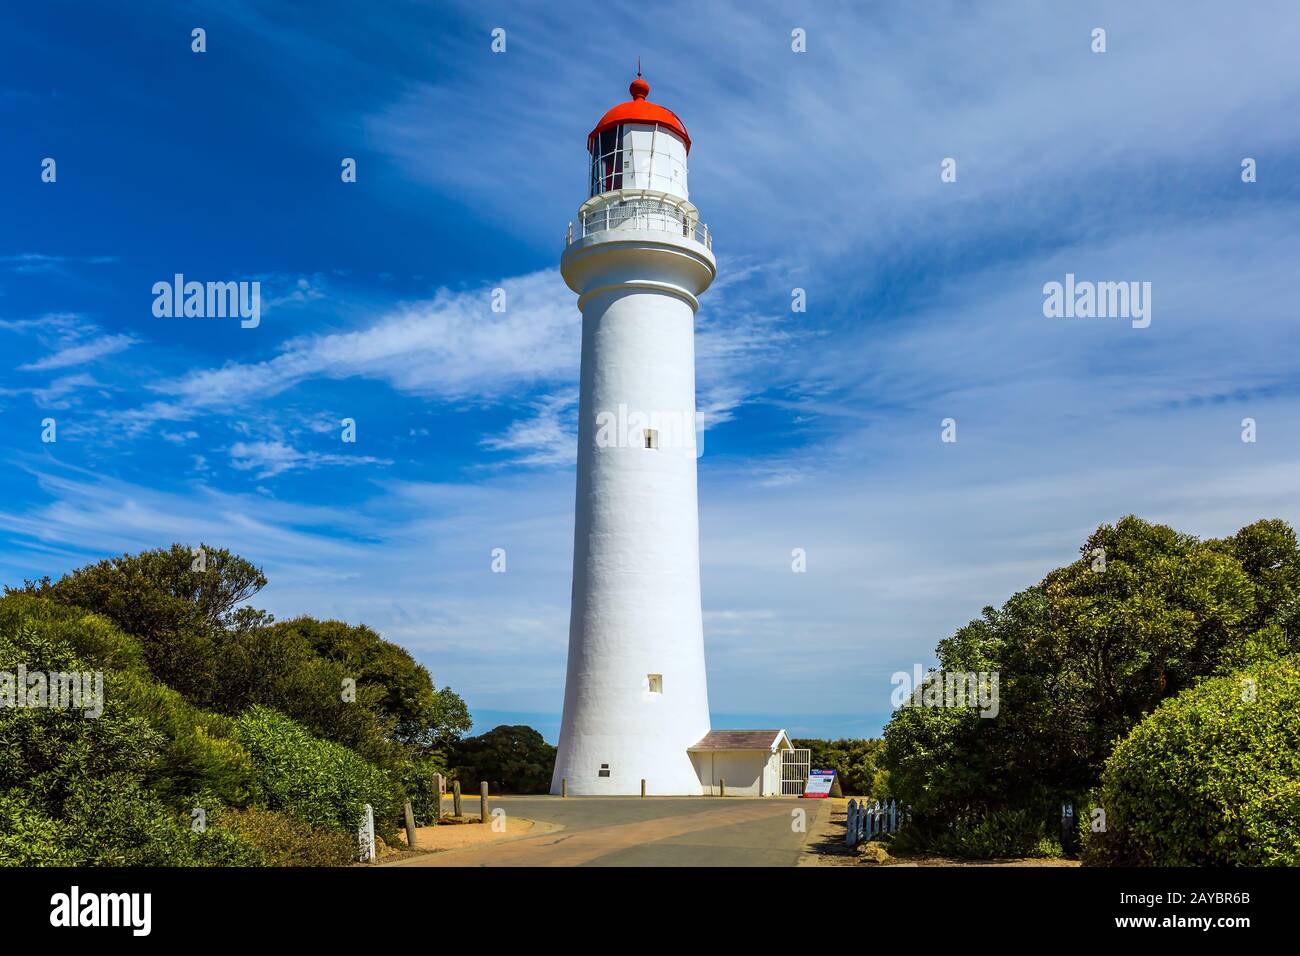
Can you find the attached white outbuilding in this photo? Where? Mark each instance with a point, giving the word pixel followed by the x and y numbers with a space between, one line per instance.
pixel 748 760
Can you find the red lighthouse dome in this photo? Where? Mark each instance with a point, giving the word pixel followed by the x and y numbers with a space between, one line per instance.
pixel 640 110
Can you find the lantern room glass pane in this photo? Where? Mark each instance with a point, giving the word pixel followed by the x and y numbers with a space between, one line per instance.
pixel 607 161
pixel 638 156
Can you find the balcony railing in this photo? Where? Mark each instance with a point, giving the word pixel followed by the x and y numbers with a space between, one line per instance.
pixel 645 213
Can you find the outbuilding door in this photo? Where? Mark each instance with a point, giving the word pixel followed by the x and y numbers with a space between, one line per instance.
pixel 795 764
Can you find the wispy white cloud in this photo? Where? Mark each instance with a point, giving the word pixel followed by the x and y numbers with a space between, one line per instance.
pixel 452 346
pixel 35 262
pixel 836 152
pixel 269 458
pixel 82 353
pixel 548 437
pixel 60 393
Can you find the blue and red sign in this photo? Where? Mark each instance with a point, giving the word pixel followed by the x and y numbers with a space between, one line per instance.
pixel 819 783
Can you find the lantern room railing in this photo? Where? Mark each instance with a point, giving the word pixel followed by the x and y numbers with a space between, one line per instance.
pixel 645 212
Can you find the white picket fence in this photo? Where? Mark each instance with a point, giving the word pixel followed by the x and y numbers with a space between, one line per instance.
pixel 868 821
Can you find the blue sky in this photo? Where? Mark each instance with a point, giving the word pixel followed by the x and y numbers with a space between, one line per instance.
pixel 817 170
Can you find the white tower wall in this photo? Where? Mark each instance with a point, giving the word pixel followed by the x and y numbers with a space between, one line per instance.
pixel 636 582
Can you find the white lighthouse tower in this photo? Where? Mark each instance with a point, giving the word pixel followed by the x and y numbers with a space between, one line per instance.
pixel 636 695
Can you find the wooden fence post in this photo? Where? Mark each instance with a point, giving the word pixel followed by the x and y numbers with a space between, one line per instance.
pixel 410 826
pixel 643 786
pixel 455 798
pixel 564 786
pixel 722 786
pixel 483 801
pixel 851 825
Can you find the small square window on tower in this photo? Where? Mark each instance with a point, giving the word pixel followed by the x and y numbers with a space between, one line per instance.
pixel 656 682
pixel 604 770
pixel 652 438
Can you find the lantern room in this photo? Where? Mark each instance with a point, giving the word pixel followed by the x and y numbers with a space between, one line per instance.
pixel 639 145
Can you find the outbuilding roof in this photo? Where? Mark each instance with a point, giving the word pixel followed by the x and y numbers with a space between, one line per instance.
pixel 741 740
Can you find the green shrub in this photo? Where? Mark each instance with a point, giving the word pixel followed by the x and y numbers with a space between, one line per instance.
pixel 29 836
pixel 91 638
pixel 188 629
pixel 113 822
pixel 1210 778
pixel 320 782
pixel 999 833
pixel 199 754
pixel 146 729
pixel 48 753
pixel 418 782
pixel 119 789
pixel 222 847
pixel 278 839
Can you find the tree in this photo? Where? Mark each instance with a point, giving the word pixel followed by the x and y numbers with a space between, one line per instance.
pixel 208 703
pixel 512 759
pixel 1083 656
pixel 197 636
pixel 205 585
pixel 419 714
pixel 174 609
pixel 1268 554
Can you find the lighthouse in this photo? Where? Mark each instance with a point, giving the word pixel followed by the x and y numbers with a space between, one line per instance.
pixel 638 257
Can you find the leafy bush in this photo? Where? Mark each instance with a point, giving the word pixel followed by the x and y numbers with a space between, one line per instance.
pixel 116 823
pixel 49 752
pixel 199 754
pixel 1210 778
pixel 278 839
pixel 146 729
pixel 29 836
pixel 319 782
pixel 110 822
pixel 418 782
pixel 1001 833
pixel 91 638
pixel 192 718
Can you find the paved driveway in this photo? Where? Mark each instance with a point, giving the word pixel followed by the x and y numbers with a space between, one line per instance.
pixel 655 831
